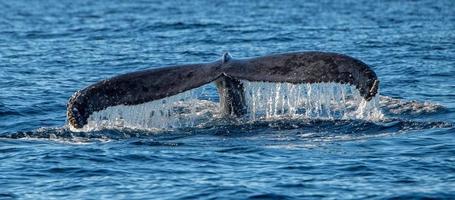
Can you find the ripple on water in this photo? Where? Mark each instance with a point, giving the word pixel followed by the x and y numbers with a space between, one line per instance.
pixel 50 49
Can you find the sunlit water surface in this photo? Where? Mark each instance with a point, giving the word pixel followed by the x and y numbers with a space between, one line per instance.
pixel 297 141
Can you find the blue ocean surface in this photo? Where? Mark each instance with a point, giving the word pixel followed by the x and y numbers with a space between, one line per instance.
pixel 49 49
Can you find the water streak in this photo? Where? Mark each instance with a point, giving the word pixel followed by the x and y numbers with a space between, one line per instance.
pixel 316 101
pixel 186 109
pixel 264 101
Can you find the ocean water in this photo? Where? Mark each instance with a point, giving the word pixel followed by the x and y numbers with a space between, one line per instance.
pixel 50 49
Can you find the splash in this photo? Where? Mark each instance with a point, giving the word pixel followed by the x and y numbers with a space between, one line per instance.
pixel 187 109
pixel 264 101
pixel 312 101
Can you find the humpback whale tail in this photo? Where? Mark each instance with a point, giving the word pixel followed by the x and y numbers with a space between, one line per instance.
pixel 154 84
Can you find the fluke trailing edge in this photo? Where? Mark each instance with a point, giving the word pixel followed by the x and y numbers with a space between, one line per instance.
pixel 153 84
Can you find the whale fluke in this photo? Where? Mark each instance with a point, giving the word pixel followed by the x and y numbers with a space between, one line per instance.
pixel 309 67
pixel 137 88
pixel 153 84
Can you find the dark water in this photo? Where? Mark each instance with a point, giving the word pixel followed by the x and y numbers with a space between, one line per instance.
pixel 50 49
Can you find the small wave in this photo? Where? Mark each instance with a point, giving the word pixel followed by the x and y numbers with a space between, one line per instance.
pixel 269 196
pixel 312 130
pixel 179 25
pixel 155 143
pixel 8 195
pixel 422 195
pixel 65 135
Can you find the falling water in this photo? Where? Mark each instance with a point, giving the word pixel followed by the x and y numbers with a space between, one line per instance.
pixel 187 109
pixel 320 100
pixel 264 101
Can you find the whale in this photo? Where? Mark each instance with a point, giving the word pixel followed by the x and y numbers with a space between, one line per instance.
pixel 227 73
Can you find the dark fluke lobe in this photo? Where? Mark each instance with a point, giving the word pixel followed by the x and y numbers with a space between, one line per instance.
pixel 153 84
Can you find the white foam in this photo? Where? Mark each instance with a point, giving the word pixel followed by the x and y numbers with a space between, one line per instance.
pixel 398 106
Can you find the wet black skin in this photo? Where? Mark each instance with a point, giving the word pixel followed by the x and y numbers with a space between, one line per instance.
pixel 232 97
pixel 153 84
